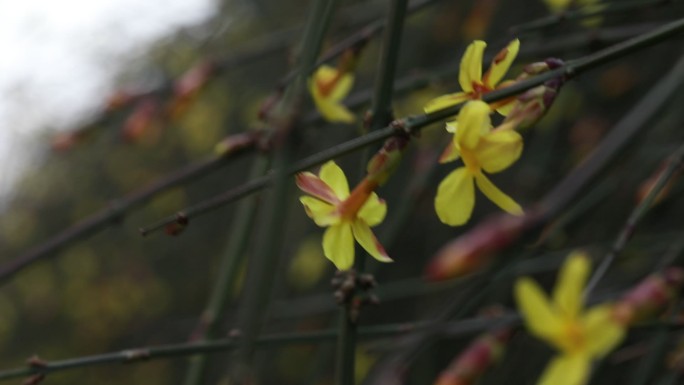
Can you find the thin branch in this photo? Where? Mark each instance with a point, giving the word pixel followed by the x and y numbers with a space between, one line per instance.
pixel 586 12
pixel 36 366
pixel 413 124
pixel 637 214
pixel 115 211
pixel 208 327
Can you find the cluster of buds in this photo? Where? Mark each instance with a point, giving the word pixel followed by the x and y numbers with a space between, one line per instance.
pixel 347 285
pixel 533 104
pixel 476 359
pixel 649 298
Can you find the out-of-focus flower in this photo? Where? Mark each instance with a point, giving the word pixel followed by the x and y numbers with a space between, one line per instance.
pixel 347 216
pixel 328 86
pixel 473 83
pixel 580 336
pixel 482 149
pixel 476 359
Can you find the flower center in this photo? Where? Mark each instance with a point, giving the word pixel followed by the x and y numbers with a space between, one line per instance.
pixel 574 336
pixel 326 87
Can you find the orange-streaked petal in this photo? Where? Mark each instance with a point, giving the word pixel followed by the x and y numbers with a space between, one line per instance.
pixel 567 295
pixel 566 370
pixel 455 198
pixel 313 185
pixel 373 211
pixel 536 310
pixel 450 153
pixel 445 101
pixel 498 150
pixel 497 196
pixel 501 63
pixel 369 242
pixel 471 65
pixel 334 177
pixel 322 213
pixel 603 333
pixel 338 245
pixel 473 122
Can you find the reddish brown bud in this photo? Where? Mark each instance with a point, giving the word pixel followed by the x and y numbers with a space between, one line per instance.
pixel 177 227
pixel 476 359
pixel 141 123
pixel 188 86
pixel 647 185
pixel 237 142
pixel 120 99
pixel 650 297
pixel 474 249
pixel 384 162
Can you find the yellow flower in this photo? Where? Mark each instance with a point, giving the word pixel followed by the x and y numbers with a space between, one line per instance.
pixel 329 86
pixel 347 216
pixel 481 148
pixel 473 83
pixel 579 336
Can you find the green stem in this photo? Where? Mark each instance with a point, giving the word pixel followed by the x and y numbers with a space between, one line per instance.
pixel 464 327
pixel 238 240
pixel 413 124
pixel 381 115
pixel 263 266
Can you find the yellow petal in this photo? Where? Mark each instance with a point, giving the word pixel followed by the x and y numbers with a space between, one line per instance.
pixel 572 278
pixel 455 198
pixel 498 150
pixel 501 63
pixel 566 370
pixel 338 245
pixel 471 65
pixel 373 211
pixel 536 310
pixel 505 109
pixel 450 153
pixel 342 87
pixel 445 101
pixel 473 122
pixel 323 214
pixel 603 334
pixel 334 112
pixel 369 242
pixel 497 196
pixel 334 177
pixel 451 126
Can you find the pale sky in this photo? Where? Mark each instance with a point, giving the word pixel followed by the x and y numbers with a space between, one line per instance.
pixel 58 61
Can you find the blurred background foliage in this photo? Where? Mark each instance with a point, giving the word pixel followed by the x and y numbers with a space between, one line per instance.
pixel 117 290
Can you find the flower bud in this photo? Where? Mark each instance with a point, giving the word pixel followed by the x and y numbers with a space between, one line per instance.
pixel 650 297
pixel 474 249
pixel 476 359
